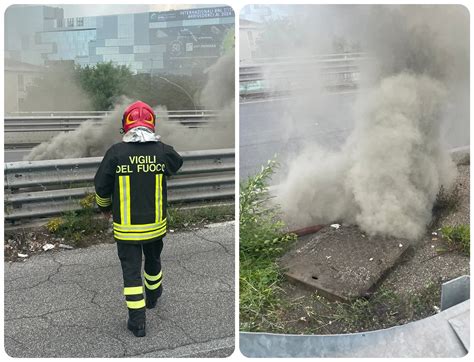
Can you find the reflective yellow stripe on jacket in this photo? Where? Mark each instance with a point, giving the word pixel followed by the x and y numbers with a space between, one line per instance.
pixel 158 197
pixel 124 190
pixel 139 235
pixel 125 230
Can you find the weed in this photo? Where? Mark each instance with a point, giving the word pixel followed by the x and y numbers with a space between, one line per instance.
pixel 261 231
pixel 458 237
pixel 179 217
pixel 446 201
pixel 262 240
pixel 74 225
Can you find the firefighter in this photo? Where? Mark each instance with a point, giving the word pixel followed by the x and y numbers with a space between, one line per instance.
pixel 131 182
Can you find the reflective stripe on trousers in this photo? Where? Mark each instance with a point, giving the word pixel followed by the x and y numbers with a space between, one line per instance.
pixel 153 282
pixel 130 256
pixel 134 297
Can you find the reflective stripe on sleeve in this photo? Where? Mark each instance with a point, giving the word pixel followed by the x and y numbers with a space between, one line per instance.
pixel 103 201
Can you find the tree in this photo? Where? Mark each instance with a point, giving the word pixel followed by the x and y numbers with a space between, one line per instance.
pixel 104 83
pixel 176 92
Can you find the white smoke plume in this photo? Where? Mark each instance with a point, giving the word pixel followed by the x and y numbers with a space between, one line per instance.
pixel 217 94
pixel 386 175
pixel 93 138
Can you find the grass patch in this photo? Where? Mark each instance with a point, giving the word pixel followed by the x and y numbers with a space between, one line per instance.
pixel 458 237
pixel 262 239
pixel 181 218
pixel 75 225
pixel 314 314
pixel 385 309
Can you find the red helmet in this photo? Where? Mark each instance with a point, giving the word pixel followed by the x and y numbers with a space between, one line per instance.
pixel 138 114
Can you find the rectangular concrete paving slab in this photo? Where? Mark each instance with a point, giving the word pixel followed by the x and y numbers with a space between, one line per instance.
pixel 342 263
pixel 77 301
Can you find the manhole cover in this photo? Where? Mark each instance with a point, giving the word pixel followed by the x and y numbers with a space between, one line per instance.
pixel 342 263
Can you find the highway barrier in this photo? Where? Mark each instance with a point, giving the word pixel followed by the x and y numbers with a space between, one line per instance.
pixel 60 121
pixel 35 189
pixel 338 72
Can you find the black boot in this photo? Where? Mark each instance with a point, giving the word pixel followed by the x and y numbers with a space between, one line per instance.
pixel 136 323
pixel 152 296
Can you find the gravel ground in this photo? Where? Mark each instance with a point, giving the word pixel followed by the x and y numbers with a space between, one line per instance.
pixel 424 265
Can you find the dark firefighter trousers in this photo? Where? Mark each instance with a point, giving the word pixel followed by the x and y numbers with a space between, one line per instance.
pixel 130 256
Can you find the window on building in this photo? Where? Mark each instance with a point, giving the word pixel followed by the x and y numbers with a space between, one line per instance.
pixel 21 82
pixel 250 37
pixel 59 23
pixel 79 21
pixel 70 22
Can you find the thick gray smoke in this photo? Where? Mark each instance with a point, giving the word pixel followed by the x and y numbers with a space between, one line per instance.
pixel 90 139
pixel 55 89
pixel 387 173
pixel 218 95
pixel 93 138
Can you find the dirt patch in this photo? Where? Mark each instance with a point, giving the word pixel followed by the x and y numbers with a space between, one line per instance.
pixel 23 243
pixel 342 263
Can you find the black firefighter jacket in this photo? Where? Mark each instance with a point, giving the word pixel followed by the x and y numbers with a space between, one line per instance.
pixel 131 180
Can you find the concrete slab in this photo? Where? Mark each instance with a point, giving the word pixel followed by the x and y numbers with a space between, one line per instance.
pixel 342 263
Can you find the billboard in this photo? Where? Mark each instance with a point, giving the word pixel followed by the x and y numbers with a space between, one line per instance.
pixel 191 14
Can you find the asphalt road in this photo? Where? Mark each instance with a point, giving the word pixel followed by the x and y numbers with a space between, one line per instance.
pixel 284 126
pixel 15 155
pixel 70 303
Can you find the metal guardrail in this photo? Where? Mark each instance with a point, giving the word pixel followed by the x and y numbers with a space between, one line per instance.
pixel 56 122
pixel 338 72
pixel 35 189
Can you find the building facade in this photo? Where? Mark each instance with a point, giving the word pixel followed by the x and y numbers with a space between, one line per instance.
pixel 177 42
pixel 18 77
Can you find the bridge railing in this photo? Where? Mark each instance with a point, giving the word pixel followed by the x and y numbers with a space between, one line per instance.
pixel 35 189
